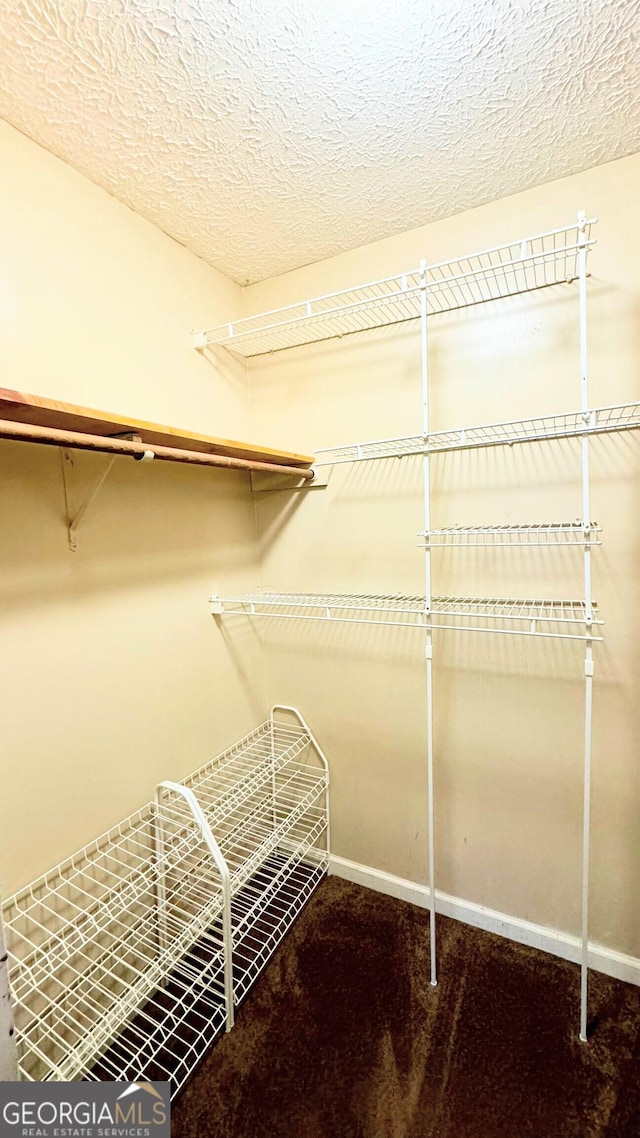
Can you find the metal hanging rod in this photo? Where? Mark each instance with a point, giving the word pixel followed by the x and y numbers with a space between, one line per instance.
pixel 558 619
pixel 490 274
pixel 546 534
pixel 568 424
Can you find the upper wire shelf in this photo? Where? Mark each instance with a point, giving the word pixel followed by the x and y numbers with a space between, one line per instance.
pixel 546 534
pixel 567 424
pixel 504 270
pixel 550 618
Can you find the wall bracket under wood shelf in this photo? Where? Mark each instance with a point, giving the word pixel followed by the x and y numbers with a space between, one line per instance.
pixel 74 517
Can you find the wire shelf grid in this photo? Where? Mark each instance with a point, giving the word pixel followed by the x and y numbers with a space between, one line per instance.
pixel 250 836
pixel 263 913
pixel 231 782
pixel 550 618
pixel 530 536
pixel 490 274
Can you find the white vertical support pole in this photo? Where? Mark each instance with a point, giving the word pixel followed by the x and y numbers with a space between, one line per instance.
pixel 274 813
pixel 161 884
pixel 8 1059
pixel 588 600
pixel 426 483
pixel 586 826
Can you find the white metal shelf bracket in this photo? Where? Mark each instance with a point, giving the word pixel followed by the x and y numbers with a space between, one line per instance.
pixel 75 517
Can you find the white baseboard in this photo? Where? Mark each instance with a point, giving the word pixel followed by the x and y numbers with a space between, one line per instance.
pixel 601 959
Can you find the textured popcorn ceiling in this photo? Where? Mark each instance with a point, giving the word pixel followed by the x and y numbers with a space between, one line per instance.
pixel 265 134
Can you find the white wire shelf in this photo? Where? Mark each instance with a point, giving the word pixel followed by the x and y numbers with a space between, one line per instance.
pixel 504 270
pixel 263 913
pixel 543 535
pixel 117 956
pixel 568 424
pixel 565 619
pixel 229 786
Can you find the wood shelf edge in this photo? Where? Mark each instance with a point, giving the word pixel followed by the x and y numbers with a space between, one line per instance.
pixel 36 410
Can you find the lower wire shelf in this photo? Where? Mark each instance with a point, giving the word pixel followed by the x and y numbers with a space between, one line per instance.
pixel 168 1036
pixel 128 959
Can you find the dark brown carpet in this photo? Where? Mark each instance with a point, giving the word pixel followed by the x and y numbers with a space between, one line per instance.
pixel 342 1037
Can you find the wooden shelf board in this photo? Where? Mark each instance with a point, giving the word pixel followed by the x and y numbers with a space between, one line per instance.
pixel 19 407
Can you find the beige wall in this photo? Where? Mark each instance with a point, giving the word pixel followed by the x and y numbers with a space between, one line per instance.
pixel 97 305
pixel 508 713
pixel 112 672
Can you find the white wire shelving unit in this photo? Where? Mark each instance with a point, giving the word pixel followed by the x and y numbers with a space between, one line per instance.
pixel 130 957
pixel 557 257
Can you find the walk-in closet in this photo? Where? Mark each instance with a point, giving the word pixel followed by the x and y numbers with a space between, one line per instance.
pixel 319 480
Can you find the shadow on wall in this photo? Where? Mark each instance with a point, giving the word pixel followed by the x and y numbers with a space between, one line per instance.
pixel 227 368
pixel 280 506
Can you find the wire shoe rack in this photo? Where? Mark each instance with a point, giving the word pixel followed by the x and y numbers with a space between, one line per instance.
pixel 130 957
